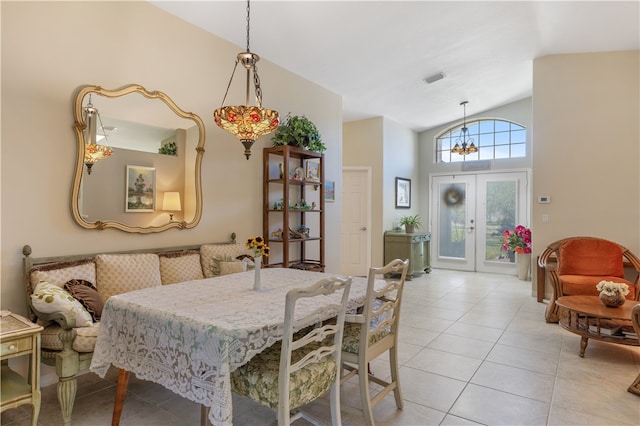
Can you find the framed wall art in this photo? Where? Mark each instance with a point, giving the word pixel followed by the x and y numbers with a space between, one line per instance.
pixel 141 189
pixel 403 193
pixel 330 191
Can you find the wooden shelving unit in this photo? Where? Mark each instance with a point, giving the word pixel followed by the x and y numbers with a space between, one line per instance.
pixel 286 184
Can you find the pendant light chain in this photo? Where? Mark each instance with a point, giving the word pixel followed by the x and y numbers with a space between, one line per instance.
pixel 248 22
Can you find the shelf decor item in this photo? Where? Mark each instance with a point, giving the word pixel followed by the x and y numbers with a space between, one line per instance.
pixel 612 294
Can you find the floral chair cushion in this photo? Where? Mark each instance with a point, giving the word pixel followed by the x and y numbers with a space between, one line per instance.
pixel 258 379
pixel 351 337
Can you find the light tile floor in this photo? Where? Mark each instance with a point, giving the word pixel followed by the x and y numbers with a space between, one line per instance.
pixel 475 350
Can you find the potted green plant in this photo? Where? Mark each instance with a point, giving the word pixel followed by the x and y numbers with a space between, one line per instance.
pixel 411 223
pixel 298 131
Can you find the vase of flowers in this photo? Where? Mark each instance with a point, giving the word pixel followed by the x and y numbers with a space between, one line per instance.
pixel 259 248
pixel 519 241
pixel 612 294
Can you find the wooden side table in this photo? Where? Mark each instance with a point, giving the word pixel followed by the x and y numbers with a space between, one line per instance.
pixel 20 337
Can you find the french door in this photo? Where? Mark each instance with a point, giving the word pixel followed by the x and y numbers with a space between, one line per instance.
pixel 469 212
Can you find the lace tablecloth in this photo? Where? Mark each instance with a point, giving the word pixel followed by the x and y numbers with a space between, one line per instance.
pixel 188 337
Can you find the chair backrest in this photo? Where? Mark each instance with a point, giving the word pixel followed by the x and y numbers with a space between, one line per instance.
pixel 323 341
pixel 381 311
pixel 590 256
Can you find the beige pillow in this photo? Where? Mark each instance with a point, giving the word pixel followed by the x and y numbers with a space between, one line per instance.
pixel 210 253
pixel 59 275
pixel 120 273
pixel 180 267
pixel 231 267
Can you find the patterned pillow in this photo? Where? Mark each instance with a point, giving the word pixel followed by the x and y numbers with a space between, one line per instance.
pixel 60 274
pixel 225 267
pixel 49 298
pixel 210 253
pixel 86 293
pixel 120 273
pixel 180 267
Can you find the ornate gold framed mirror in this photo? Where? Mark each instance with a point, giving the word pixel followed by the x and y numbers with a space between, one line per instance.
pixel 138 161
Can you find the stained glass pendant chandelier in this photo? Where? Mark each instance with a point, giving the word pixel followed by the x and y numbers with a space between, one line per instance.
pixel 247 122
pixel 464 145
pixel 93 151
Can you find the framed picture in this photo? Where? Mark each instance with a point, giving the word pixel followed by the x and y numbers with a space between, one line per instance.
pixel 141 189
pixel 330 191
pixel 403 193
pixel 313 171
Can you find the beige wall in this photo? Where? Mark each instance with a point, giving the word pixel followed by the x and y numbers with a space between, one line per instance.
pixel 391 151
pixel 49 49
pixel 586 147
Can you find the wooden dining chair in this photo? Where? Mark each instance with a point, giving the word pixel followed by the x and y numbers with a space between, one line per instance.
pixel 373 332
pixel 306 363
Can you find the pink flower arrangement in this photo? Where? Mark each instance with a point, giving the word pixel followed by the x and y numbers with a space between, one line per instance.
pixel 518 240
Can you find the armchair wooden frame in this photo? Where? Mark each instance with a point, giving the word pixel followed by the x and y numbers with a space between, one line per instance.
pixel 635 320
pixel 545 260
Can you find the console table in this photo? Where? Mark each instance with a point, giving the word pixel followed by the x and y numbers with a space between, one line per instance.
pixel 413 246
pixel 20 337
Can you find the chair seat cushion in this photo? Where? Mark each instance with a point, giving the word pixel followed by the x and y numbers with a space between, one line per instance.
pixel 258 379
pixel 351 337
pixel 85 339
pixel 574 285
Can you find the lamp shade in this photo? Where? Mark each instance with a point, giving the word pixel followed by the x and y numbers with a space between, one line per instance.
pixel 171 202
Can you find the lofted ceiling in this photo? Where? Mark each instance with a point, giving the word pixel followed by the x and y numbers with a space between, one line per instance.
pixel 377 54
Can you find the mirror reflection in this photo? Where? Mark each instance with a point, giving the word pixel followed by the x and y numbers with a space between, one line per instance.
pixel 134 149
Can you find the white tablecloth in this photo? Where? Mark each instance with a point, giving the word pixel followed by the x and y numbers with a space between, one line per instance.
pixel 188 337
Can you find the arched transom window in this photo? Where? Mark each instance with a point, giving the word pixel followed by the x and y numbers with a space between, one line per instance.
pixel 494 139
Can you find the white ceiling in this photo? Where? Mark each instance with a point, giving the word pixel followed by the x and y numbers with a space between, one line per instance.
pixel 376 54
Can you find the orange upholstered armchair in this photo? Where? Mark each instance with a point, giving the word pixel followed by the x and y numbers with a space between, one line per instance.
pixel 582 262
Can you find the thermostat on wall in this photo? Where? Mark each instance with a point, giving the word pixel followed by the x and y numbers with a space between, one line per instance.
pixel 543 199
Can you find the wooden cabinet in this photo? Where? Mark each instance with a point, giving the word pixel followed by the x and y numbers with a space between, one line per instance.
pixel 20 337
pixel 414 246
pixel 293 207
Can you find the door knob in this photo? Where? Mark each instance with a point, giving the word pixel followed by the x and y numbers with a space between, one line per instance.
pixel 363 228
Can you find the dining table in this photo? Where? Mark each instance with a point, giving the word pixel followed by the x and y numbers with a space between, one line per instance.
pixel 190 336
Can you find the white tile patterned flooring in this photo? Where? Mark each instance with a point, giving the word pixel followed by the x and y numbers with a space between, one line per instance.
pixel 475 349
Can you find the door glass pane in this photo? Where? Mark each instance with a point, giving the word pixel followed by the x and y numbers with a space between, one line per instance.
pixel 500 215
pixel 452 220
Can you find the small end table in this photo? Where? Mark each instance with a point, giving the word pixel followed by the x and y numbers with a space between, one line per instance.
pixel 20 337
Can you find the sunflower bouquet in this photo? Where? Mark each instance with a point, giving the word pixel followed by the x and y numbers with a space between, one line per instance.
pixel 258 245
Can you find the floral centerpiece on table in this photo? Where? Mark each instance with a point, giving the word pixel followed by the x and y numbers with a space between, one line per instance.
pixel 518 240
pixel 611 288
pixel 258 245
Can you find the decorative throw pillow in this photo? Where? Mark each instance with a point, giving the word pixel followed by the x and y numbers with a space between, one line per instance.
pixel 180 267
pixel 223 265
pixel 85 293
pixel 210 253
pixel 49 298
pixel 120 273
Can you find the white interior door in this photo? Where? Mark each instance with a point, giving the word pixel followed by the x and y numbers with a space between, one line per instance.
pixel 356 221
pixel 468 215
